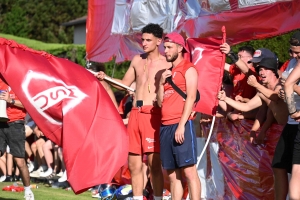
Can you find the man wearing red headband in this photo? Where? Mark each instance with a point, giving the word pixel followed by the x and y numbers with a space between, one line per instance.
pixel 177 134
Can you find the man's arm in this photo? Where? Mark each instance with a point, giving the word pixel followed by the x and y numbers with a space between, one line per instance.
pixel 267 124
pixel 270 94
pixel 255 102
pixel 5 96
pixel 259 119
pixel 297 89
pixel 191 80
pixel 289 91
pixel 128 78
pixel 225 48
pixel 110 93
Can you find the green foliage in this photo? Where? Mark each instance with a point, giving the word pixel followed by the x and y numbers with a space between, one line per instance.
pixel 75 53
pixel 41 19
pixel 279 45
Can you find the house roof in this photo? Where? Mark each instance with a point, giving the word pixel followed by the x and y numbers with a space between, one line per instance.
pixel 81 20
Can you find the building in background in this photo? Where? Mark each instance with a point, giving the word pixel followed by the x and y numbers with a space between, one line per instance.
pixel 79 25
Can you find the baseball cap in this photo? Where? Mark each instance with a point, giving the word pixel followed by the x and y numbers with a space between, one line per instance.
pixel 176 38
pixel 269 63
pixel 261 53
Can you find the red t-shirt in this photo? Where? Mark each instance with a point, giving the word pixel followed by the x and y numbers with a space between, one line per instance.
pixel 240 85
pixel 173 103
pixel 14 113
pixel 284 66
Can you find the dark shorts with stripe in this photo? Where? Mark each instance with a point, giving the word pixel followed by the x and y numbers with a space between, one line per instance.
pixel 283 156
pixel 174 155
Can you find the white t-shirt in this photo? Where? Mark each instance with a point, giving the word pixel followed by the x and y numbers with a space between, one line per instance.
pixel 290 67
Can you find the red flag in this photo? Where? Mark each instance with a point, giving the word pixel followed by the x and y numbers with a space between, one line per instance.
pixel 209 61
pixel 72 109
pixel 244 20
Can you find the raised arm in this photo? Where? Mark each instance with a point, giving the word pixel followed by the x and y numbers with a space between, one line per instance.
pixel 270 94
pixel 225 48
pixel 292 79
pixel 253 103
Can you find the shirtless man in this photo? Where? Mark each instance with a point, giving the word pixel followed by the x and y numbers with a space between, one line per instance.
pixel 145 117
pixel 265 95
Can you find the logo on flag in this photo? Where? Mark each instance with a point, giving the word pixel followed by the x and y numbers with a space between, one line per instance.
pixel 45 99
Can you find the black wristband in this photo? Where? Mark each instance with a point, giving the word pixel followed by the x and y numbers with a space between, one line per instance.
pixel 293 112
pixel 232 56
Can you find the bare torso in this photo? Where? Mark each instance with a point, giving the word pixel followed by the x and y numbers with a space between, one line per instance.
pixel 147 76
pixel 278 108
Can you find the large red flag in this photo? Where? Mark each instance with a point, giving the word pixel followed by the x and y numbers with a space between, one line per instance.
pixel 72 109
pixel 118 22
pixel 209 61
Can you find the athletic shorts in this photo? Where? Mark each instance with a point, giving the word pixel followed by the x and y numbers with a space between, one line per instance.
pixel 143 129
pixel 13 135
pixel 283 156
pixel 296 152
pixel 174 155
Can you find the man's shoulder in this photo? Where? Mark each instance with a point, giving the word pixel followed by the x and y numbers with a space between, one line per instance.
pixel 139 57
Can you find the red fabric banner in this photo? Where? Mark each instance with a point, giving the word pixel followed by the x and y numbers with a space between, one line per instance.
pixel 247 168
pixel 209 61
pixel 243 24
pixel 72 109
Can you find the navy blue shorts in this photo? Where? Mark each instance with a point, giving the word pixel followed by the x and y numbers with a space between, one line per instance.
pixel 174 155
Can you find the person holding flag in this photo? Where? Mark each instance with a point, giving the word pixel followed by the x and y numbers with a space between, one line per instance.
pixel 12 133
pixel 145 116
pixel 177 134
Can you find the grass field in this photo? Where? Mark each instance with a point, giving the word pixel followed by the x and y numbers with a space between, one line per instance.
pixel 43 192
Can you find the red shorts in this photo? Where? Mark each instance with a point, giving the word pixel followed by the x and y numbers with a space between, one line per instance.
pixel 143 129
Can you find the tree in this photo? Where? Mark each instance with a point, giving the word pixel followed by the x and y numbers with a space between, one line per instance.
pixel 41 19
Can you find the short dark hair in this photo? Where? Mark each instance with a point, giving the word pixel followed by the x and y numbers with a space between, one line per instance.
pixel 154 29
pixel 97 67
pixel 295 39
pixel 248 49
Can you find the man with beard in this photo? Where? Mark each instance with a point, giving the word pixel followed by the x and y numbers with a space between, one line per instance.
pixel 145 116
pixel 177 134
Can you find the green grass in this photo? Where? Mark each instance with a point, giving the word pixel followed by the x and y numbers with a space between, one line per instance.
pixel 43 192
pixel 35 44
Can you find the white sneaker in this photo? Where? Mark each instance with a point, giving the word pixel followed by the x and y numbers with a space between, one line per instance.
pixel 36 173
pixel 2 178
pixel 30 166
pixel 64 177
pixel 60 174
pixel 29 196
pixel 46 173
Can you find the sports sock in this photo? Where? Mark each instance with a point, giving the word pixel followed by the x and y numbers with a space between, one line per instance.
pixel 137 197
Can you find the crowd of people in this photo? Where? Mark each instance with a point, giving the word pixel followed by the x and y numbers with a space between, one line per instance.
pixel 276 101
pixel 159 118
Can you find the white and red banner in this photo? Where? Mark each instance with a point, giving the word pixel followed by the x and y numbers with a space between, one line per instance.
pixel 72 109
pixel 113 27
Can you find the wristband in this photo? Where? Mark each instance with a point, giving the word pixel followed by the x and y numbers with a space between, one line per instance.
pixel 293 112
pixel 233 57
pixel 12 101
